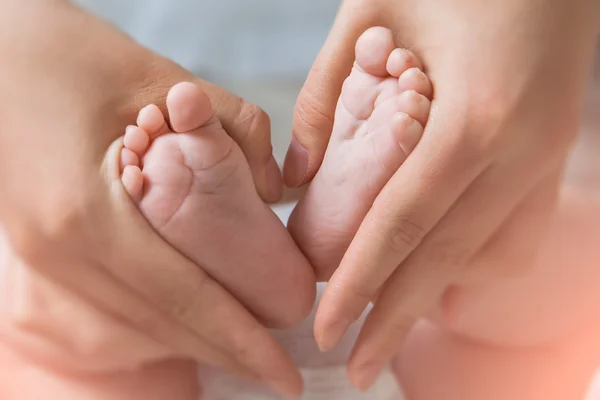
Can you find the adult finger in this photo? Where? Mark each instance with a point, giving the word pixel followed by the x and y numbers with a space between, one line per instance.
pixel 178 306
pixel 446 171
pixel 250 127
pixel 153 288
pixel 208 312
pixel 416 286
pixel 403 213
pixel 313 114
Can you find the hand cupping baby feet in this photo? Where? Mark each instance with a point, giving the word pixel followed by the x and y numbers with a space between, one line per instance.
pixel 193 184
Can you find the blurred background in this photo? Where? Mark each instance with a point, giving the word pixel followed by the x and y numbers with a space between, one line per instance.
pixel 262 50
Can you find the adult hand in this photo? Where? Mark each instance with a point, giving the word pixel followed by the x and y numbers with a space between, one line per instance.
pixel 71 84
pixel 508 78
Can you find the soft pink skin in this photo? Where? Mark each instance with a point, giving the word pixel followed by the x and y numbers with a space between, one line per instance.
pixel 533 335
pixel 493 137
pixel 380 116
pixel 484 327
pixel 30 370
pixel 549 302
pixel 437 364
pixel 521 310
pixel 195 187
pixel 20 379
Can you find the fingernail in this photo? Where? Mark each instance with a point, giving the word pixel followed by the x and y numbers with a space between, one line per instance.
pixel 296 164
pixel 129 128
pixel 332 334
pixel 366 376
pixel 274 181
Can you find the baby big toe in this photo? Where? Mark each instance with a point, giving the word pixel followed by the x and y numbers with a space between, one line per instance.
pixel 189 107
pixel 373 49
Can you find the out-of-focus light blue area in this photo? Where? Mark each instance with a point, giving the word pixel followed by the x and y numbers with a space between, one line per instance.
pixel 218 39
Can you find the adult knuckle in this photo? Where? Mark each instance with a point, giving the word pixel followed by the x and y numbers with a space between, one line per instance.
pixel 183 305
pixel 58 228
pixel 475 131
pixel 476 146
pixel 255 121
pixel 146 322
pixel 311 115
pixel 245 343
pixel 361 292
pixel 403 235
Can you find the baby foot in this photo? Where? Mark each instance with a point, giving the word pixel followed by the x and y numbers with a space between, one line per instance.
pixel 193 184
pixel 379 120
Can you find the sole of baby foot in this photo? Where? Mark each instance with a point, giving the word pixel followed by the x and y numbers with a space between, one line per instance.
pixel 379 120
pixel 193 184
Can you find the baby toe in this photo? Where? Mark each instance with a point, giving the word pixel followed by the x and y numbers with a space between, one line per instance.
pixel 152 120
pixel 128 157
pixel 401 60
pixel 414 104
pixel 136 140
pixel 133 181
pixel 417 80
